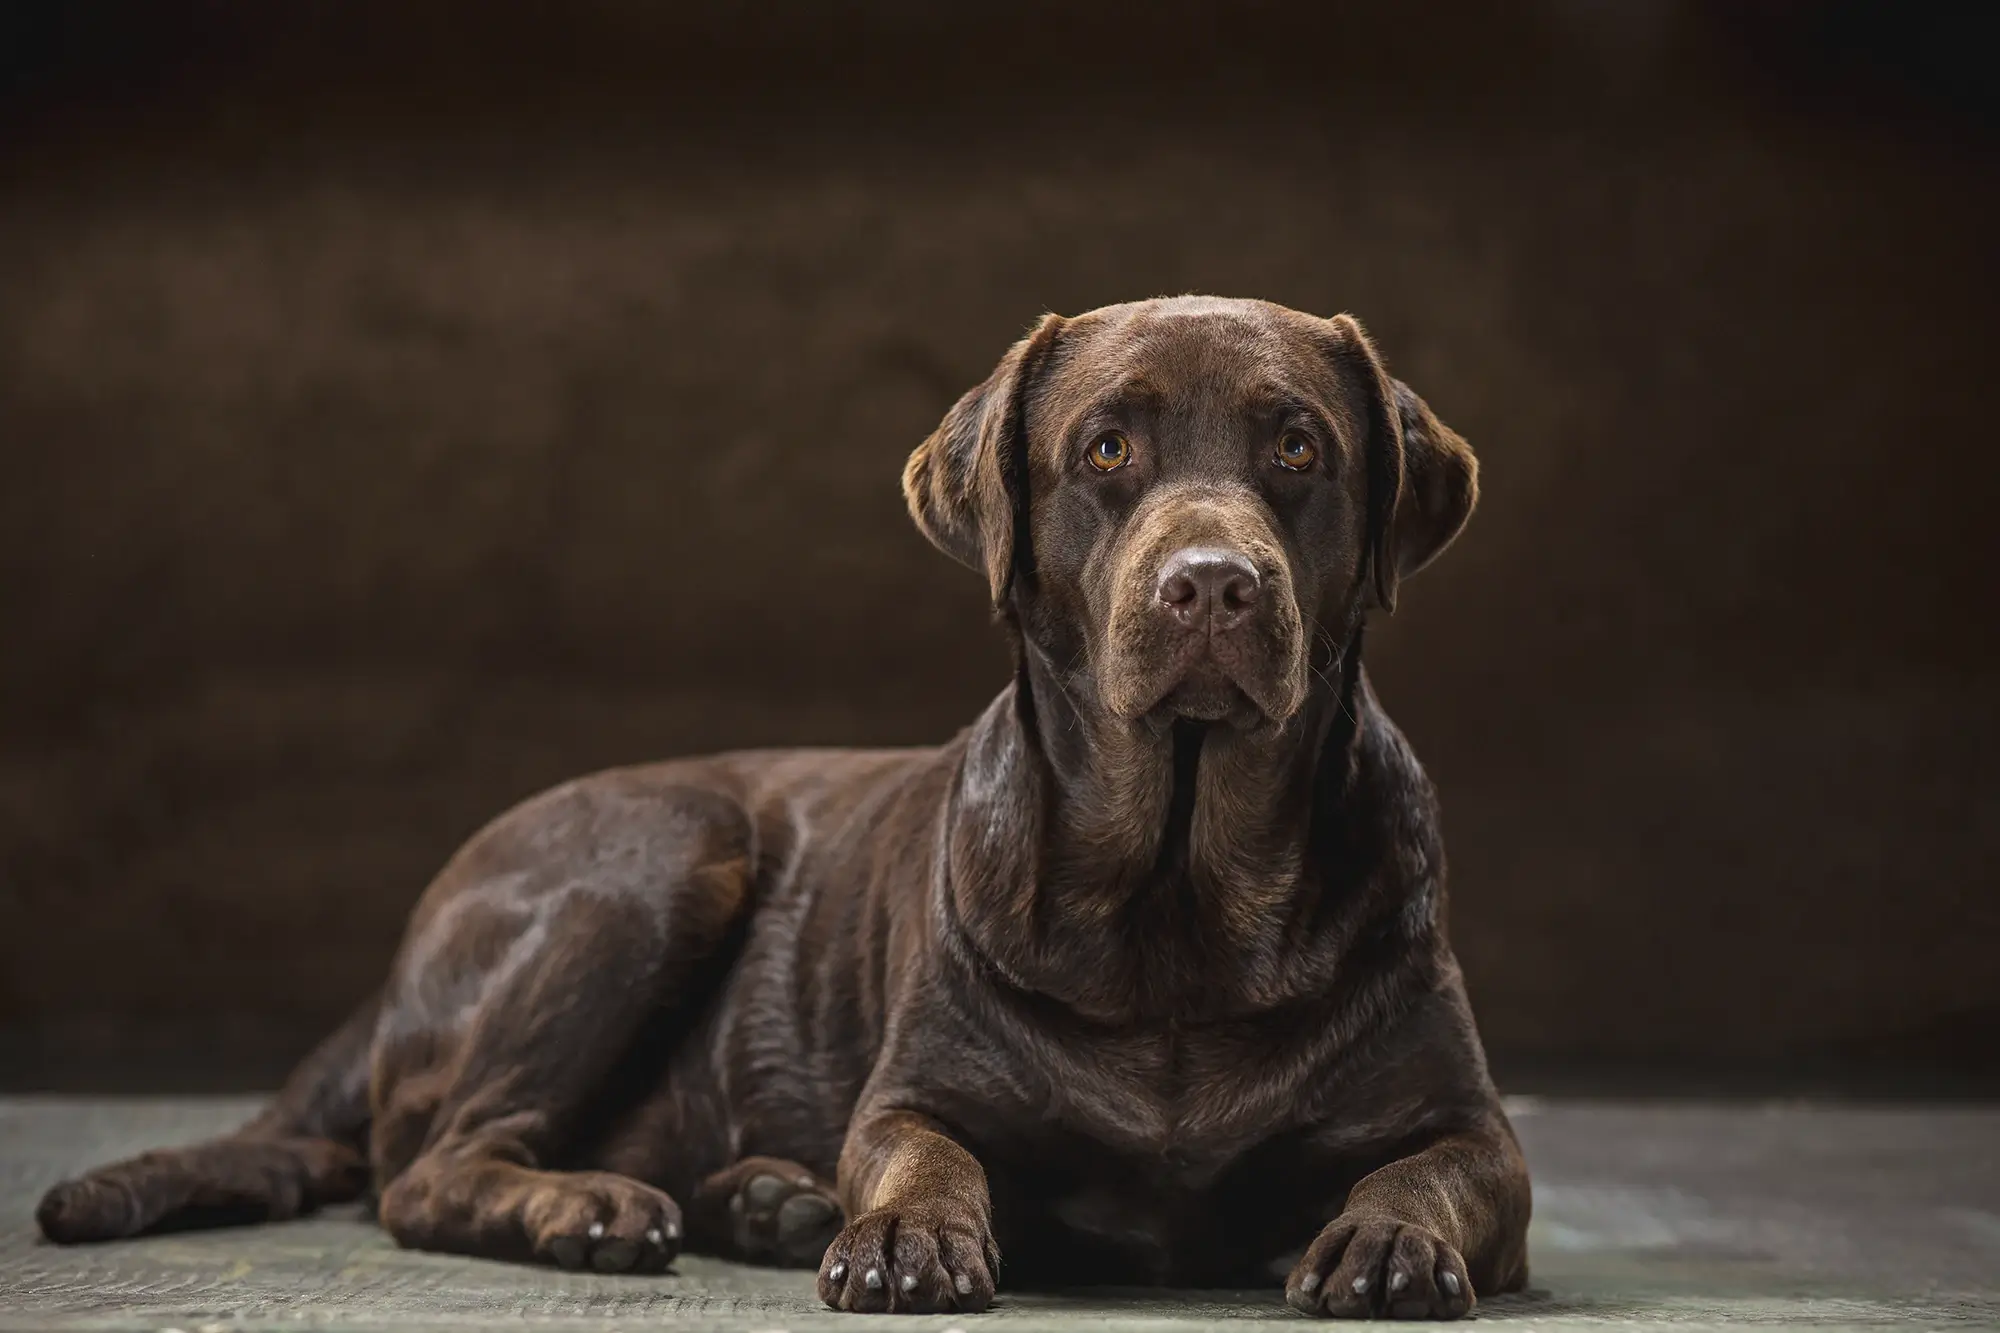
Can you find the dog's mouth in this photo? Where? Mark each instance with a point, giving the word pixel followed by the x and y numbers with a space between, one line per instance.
pixel 1217 699
pixel 1205 687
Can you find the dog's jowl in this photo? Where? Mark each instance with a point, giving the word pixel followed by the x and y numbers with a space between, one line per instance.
pixel 1142 978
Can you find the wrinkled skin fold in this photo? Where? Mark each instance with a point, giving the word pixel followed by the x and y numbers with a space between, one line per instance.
pixel 1142 978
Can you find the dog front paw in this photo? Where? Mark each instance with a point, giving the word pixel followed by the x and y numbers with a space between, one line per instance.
pixel 918 1259
pixel 1379 1268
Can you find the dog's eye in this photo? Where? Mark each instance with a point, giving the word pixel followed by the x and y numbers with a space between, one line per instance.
pixel 1110 451
pixel 1295 452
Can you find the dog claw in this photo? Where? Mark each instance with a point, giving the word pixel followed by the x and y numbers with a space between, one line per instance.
pixel 927 1260
pixel 1379 1268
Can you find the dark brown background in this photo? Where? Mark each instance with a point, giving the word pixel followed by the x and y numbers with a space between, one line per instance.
pixel 407 406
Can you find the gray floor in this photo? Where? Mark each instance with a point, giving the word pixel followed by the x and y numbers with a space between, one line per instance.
pixel 1688 1216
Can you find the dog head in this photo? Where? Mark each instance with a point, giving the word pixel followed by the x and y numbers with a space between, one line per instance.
pixel 1175 500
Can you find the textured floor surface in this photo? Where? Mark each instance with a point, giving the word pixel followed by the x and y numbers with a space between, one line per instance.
pixel 1687 1216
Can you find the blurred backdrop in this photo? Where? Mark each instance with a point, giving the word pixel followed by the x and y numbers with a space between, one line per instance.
pixel 405 406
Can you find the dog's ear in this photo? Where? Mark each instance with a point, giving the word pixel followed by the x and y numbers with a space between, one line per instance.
pixel 967 485
pixel 1422 477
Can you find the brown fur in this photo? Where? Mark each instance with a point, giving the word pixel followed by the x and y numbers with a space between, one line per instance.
pixel 1141 978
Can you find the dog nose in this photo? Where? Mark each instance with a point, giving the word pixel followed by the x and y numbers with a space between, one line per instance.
pixel 1209 586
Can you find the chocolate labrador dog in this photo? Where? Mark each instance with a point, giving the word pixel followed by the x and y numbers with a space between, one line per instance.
pixel 1143 978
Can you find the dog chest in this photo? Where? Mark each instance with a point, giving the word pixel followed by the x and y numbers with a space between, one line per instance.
pixel 1195 1097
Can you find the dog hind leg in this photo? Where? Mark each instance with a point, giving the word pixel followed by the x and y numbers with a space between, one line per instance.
pixel 515 1003
pixel 303 1151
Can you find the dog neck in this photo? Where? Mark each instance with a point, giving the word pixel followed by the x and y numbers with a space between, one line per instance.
pixel 1179 870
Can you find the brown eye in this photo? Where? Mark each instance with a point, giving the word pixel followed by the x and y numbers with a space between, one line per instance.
pixel 1110 451
pixel 1295 452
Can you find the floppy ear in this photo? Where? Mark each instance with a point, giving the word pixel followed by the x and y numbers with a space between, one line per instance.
pixel 1422 477
pixel 967 485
